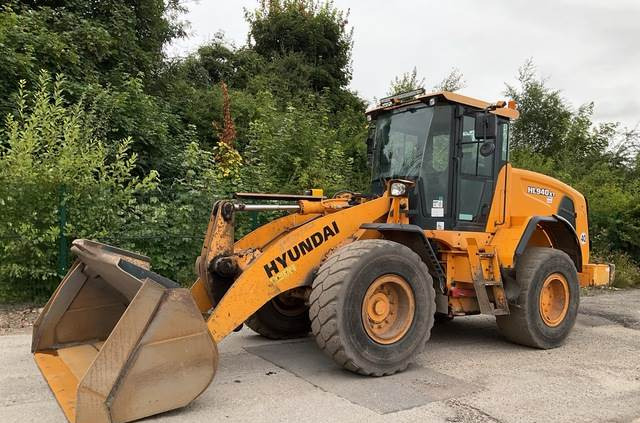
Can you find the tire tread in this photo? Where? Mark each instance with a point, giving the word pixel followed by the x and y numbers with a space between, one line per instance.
pixel 516 326
pixel 328 284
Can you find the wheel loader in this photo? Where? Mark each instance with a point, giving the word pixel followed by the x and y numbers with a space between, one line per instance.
pixel 449 228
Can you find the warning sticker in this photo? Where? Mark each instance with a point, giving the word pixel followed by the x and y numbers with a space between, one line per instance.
pixel 437 212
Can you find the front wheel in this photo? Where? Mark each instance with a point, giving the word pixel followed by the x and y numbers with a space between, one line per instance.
pixel 372 307
pixel 547 305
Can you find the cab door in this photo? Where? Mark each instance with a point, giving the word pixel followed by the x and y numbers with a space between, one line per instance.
pixel 475 177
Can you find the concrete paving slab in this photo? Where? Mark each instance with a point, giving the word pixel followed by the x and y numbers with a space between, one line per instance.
pixel 414 387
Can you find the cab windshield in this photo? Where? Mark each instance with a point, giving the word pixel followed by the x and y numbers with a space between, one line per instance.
pixel 408 138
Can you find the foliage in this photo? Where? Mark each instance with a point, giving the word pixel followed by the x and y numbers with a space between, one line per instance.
pixel 137 147
pixel 109 51
pixel 223 62
pixel 52 158
pixel 545 118
pixel 314 32
pixel 55 161
pixel 227 158
pixel 454 81
pixel 127 111
pixel 406 82
pixel 87 41
pixel 313 66
pixel 598 160
pixel 627 270
pixel 297 148
pixel 171 221
pixel 410 81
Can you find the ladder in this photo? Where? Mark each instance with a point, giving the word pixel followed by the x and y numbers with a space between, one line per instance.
pixel 485 270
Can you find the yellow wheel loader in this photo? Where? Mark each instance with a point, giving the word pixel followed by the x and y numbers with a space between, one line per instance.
pixel 449 229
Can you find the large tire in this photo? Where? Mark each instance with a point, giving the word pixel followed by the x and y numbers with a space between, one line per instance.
pixel 280 319
pixel 338 308
pixel 526 324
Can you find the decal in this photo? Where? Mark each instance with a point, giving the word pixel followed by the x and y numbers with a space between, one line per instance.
pixel 465 216
pixel 286 259
pixel 437 204
pixel 437 212
pixel 583 238
pixel 541 191
pixel 290 270
pixel 440 226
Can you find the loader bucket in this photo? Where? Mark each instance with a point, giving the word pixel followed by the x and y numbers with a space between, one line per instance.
pixel 117 342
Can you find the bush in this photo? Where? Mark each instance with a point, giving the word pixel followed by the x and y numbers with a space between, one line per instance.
pixel 298 148
pixel 51 162
pixel 627 271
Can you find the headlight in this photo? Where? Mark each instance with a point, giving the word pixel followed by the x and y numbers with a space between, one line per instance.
pixel 398 189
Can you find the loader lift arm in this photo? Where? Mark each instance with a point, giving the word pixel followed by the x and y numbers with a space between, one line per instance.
pixel 284 263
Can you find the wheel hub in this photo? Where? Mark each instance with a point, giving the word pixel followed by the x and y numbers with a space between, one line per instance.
pixel 554 300
pixel 388 309
pixel 378 307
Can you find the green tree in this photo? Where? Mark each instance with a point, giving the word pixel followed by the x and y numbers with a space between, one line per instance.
pixel 545 117
pixel 406 82
pixel 302 40
pixel 598 160
pixel 297 149
pixel 102 42
pixel 110 51
pixel 454 81
pixel 314 32
pixel 223 62
pixel 410 81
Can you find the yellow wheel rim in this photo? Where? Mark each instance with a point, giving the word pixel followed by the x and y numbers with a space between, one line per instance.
pixel 388 309
pixel 554 299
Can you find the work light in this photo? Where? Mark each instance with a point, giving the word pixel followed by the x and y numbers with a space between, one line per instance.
pixel 398 189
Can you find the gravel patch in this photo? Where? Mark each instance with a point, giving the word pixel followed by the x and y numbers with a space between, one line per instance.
pixel 17 318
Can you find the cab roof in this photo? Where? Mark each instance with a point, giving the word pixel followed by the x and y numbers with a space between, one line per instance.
pixel 419 96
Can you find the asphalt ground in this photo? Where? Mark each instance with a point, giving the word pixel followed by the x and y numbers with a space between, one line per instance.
pixel 468 373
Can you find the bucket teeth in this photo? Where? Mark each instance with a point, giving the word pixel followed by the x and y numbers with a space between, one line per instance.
pixel 117 342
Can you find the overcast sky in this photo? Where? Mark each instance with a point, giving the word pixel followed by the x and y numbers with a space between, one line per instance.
pixel 587 48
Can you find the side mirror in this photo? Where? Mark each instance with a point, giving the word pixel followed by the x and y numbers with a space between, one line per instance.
pixel 487 148
pixel 486 127
pixel 370 144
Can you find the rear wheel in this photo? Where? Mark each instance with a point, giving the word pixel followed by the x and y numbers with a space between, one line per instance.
pixel 547 305
pixel 372 307
pixel 284 317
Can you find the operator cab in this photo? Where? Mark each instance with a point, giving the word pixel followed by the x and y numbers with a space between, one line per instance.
pixel 451 146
